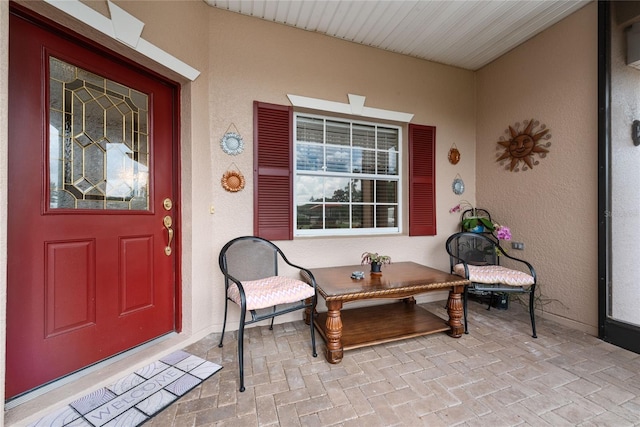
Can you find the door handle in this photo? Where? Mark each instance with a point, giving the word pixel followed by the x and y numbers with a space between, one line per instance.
pixel 168 222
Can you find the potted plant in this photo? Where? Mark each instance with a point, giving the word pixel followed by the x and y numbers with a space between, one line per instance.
pixel 477 224
pixel 474 220
pixel 376 260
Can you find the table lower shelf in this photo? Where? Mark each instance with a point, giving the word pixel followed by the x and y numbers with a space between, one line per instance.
pixel 383 323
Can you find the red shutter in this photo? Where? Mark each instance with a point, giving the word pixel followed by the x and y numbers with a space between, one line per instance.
pixel 422 180
pixel 272 171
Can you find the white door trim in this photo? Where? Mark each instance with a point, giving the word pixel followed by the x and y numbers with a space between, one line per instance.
pixel 120 19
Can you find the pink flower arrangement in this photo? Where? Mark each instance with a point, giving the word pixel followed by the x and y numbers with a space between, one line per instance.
pixel 503 232
pixel 463 204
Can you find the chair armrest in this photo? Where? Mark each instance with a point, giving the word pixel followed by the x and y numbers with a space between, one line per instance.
pixel 238 283
pixel 307 276
pixel 304 272
pixel 460 261
pixel 529 266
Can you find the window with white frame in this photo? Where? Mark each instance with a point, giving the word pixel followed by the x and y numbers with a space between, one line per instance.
pixel 347 176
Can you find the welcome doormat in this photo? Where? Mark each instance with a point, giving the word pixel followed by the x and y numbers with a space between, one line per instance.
pixel 137 397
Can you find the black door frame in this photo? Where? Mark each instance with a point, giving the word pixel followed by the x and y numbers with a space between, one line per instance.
pixel 615 332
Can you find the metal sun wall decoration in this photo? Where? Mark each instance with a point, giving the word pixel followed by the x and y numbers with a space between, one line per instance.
pixel 232 181
pixel 523 145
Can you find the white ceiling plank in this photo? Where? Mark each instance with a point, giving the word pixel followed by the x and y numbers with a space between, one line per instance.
pixel 282 9
pixel 438 20
pixel 340 15
pixel 491 42
pixel 237 5
pixel 395 25
pixel 309 13
pixel 357 20
pixel 293 13
pixel 523 31
pixel 377 18
pixel 464 33
pixel 270 10
pixel 427 40
pixel 479 34
pixel 329 14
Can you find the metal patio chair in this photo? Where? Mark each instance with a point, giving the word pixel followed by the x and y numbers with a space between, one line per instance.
pixel 477 256
pixel 250 268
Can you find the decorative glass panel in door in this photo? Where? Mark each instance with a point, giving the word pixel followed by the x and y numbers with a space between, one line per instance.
pixel 98 142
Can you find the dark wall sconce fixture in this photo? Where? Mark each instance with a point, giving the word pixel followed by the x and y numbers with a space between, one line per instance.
pixel 635 132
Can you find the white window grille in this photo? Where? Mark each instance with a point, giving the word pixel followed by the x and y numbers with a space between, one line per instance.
pixel 347 176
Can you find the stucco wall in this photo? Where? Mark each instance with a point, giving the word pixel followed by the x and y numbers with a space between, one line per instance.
pixel 182 29
pixel 552 208
pixel 243 59
pixel 258 60
pixel 551 78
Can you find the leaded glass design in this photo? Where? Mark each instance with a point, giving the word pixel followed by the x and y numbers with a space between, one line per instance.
pixel 98 142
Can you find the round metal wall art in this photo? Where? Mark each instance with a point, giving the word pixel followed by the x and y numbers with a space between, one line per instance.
pixel 458 185
pixel 523 144
pixel 233 181
pixel 232 143
pixel 454 155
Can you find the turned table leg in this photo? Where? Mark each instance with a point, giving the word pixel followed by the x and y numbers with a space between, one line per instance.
pixel 334 332
pixel 454 309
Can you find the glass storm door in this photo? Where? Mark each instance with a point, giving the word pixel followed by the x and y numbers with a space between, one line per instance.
pixel 91 255
pixel 619 317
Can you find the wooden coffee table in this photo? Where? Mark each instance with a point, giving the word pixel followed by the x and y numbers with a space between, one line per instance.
pixel 358 327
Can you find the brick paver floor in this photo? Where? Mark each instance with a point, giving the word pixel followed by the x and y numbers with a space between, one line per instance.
pixel 498 375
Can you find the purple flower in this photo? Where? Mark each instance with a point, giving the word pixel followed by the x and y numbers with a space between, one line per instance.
pixel 503 233
pixel 461 206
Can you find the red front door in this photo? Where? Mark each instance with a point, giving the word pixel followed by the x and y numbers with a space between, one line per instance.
pixel 92 206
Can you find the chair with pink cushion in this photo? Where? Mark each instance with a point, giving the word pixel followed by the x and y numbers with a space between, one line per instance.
pixel 253 281
pixel 478 257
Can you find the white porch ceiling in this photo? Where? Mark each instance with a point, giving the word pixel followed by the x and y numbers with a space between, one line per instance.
pixel 464 33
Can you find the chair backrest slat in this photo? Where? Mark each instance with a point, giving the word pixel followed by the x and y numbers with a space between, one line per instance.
pixel 473 248
pixel 250 258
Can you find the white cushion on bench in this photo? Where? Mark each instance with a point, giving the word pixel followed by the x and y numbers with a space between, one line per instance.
pixel 495 274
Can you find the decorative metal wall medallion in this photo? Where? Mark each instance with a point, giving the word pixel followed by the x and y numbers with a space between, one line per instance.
pixel 454 155
pixel 232 181
pixel 232 143
pixel 521 146
pixel 458 185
